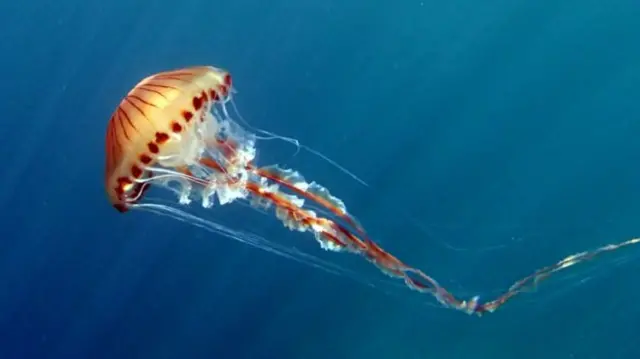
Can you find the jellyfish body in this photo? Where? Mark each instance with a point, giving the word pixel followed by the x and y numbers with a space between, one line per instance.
pixel 173 131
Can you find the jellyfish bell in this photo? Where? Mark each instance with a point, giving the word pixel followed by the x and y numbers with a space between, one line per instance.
pixel 164 123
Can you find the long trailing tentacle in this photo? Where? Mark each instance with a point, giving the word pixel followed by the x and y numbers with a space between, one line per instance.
pixel 226 170
pixel 267 186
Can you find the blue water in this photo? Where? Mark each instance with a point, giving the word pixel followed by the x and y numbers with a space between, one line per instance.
pixel 497 137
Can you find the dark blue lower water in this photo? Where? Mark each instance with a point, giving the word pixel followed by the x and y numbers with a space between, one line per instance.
pixel 496 138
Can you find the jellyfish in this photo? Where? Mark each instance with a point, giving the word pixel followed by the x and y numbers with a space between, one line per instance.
pixel 174 131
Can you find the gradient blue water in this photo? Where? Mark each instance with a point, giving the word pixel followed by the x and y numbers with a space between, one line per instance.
pixel 497 137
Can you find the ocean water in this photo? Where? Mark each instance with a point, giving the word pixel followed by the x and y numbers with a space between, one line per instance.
pixel 496 137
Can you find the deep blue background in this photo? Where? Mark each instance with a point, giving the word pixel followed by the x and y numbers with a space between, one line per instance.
pixel 497 137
